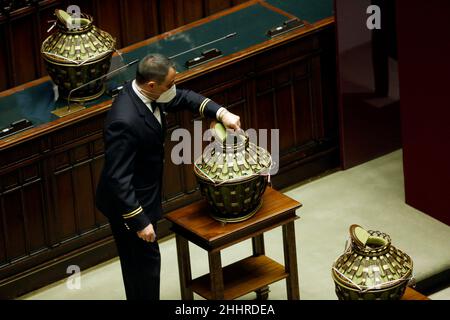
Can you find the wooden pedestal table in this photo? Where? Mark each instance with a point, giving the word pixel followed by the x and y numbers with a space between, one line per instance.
pixel 193 223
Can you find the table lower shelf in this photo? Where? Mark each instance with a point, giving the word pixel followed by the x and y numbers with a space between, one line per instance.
pixel 242 277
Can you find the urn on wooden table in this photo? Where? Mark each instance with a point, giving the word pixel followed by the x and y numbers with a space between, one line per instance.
pixel 233 175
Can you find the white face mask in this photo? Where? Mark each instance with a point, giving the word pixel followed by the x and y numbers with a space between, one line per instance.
pixel 168 95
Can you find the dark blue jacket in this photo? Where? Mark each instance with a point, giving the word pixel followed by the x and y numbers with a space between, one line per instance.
pixel 129 190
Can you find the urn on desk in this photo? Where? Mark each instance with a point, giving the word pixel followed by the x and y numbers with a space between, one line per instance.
pixel 371 268
pixel 233 175
pixel 76 54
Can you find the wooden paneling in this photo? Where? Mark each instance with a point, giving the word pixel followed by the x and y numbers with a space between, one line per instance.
pixel 303 117
pixel 2 238
pixel 214 6
pixel 139 20
pixel 110 19
pixel 96 168
pixel 22 213
pixel 86 6
pixel 14 223
pixel 23 50
pixel 35 215
pixel 4 72
pixel 128 21
pixel 170 19
pixel 173 182
pixel 76 174
pixel 284 101
pixel 193 10
pixel 47 200
pixel 84 197
pixel 64 204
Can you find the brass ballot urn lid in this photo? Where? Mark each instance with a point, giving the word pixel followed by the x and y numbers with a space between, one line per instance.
pixel 77 53
pixel 233 175
pixel 371 268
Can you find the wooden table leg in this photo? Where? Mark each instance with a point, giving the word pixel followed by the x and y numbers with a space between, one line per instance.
pixel 259 249
pixel 216 275
pixel 184 268
pixel 290 261
pixel 263 293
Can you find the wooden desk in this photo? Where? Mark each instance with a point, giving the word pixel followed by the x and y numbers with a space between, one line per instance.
pixel 255 273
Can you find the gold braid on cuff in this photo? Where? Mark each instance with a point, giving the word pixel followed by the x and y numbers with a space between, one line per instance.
pixel 132 213
pixel 203 105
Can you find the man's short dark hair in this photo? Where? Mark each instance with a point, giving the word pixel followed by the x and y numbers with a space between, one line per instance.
pixel 153 67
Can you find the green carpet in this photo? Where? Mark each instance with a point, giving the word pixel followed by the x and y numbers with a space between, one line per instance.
pixel 370 195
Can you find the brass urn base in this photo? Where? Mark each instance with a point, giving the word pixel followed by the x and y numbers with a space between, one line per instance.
pixel 93 96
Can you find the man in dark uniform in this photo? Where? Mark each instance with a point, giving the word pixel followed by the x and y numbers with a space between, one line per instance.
pixel 129 190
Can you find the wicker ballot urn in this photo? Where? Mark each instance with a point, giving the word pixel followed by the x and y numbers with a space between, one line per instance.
pixel 371 268
pixel 77 53
pixel 233 175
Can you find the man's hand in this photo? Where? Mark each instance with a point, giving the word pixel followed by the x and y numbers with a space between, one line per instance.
pixel 147 234
pixel 230 120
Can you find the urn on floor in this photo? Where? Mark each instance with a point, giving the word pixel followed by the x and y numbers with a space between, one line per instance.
pixel 371 268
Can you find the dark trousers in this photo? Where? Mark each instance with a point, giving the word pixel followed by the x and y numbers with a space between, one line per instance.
pixel 140 262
